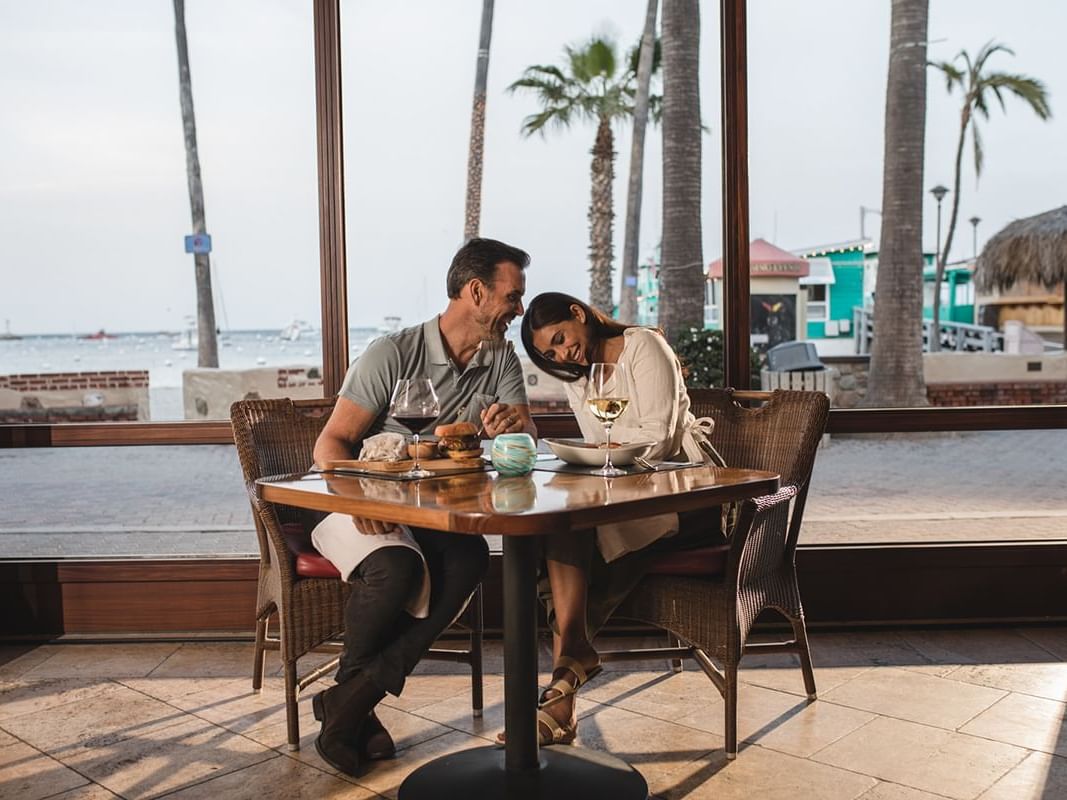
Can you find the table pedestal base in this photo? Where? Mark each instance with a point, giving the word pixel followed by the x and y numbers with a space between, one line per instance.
pixel 565 773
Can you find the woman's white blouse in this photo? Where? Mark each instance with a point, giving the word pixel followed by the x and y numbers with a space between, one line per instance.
pixel 658 412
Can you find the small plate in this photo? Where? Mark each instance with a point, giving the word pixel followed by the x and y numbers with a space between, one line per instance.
pixel 592 455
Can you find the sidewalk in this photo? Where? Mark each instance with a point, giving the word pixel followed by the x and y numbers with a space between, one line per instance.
pixel 112 501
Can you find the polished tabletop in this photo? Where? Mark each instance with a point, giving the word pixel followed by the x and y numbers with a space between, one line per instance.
pixel 541 502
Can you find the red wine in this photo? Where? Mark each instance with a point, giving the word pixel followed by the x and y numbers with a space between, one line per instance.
pixel 414 424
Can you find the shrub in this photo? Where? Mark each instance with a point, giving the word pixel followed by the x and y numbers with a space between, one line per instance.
pixel 701 354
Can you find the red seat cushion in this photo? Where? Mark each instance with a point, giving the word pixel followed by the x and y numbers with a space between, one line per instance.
pixel 309 563
pixel 700 561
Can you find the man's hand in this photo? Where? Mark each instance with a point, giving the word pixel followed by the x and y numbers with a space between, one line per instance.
pixel 373 527
pixel 502 418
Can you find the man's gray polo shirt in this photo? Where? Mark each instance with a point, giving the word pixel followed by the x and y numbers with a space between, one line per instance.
pixel 493 374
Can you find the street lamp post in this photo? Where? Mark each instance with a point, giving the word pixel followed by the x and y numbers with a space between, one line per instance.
pixel 939 193
pixel 974 236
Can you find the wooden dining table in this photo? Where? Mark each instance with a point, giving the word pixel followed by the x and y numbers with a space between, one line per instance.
pixel 520 509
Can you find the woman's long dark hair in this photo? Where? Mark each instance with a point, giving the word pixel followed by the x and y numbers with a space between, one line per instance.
pixel 551 308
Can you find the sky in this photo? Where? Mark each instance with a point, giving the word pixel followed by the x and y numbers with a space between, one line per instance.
pixel 93 197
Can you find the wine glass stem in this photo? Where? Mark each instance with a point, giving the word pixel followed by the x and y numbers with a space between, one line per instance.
pixel 416 467
pixel 607 447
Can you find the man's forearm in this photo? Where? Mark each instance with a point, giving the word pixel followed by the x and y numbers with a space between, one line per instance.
pixel 329 448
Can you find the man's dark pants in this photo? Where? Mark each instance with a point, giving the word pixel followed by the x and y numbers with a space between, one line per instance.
pixel 382 640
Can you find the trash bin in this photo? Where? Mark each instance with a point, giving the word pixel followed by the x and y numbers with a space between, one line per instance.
pixel 796 365
pixel 793 356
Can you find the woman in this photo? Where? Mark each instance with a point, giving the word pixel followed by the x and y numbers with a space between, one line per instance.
pixel 592 572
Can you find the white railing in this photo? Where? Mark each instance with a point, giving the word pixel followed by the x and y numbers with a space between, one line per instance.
pixel 954 336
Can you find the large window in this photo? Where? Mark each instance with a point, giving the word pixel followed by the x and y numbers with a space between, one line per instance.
pixel 101 312
pixel 817 147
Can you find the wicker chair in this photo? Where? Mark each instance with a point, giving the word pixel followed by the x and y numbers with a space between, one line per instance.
pixel 296 584
pixel 708 599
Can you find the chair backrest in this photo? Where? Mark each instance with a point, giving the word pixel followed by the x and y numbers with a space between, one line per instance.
pixel 276 437
pixel 781 436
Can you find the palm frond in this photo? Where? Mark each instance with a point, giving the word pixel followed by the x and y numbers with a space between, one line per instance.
pixel 979 152
pixel 952 73
pixel 1030 90
pixel 988 49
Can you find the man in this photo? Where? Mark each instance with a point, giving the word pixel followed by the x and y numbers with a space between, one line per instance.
pixel 465 355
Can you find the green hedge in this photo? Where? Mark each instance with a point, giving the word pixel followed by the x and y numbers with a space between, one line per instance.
pixel 700 351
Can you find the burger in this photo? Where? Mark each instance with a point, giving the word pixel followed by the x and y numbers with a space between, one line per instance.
pixel 458 440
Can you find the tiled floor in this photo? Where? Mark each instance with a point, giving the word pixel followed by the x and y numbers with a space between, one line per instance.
pixel 901 715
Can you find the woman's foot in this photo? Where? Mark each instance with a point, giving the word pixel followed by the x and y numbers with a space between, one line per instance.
pixel 556 720
pixel 570 674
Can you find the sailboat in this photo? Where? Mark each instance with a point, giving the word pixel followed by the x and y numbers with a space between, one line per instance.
pixel 186 339
pixel 293 331
pixel 7 335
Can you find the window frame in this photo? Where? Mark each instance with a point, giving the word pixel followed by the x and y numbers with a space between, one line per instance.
pixel 956 566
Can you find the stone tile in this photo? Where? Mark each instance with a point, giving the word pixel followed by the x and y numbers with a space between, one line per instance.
pixel 99 720
pixel 28 774
pixel 424 690
pixel 1030 722
pixel 213 660
pixel 761 773
pixel 92 791
pixel 25 697
pixel 159 760
pixel 233 705
pixel 690 699
pixel 894 791
pixel 16 659
pixel 455 711
pixel 923 757
pixel 655 747
pixel 916 697
pixel 276 737
pixel 6 738
pixel 782 672
pixel 1039 777
pixel 168 689
pixel 1047 680
pixel 385 777
pixel 862 649
pixel 100 660
pixel 759 712
pixel 814 727
pixel 1052 639
pixel 949 649
pixel 273 664
pixel 279 778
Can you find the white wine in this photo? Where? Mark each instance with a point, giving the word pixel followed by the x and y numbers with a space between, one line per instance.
pixel 608 409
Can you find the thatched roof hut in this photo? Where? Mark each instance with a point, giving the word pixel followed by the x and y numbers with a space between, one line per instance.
pixel 1033 249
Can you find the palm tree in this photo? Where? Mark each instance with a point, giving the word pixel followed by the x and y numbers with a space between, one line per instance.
pixel 632 237
pixel 977 84
pixel 207 343
pixel 476 150
pixel 588 86
pixel 896 372
pixel 682 278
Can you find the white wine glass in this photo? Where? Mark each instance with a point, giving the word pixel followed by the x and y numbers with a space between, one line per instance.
pixel 607 393
pixel 415 406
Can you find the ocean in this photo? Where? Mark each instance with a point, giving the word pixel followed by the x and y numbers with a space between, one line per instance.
pixel 159 354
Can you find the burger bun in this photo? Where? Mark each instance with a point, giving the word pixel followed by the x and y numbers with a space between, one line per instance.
pixel 464 455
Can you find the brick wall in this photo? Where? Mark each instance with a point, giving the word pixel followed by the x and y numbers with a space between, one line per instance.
pixel 51 397
pixel 1016 393
pixel 64 381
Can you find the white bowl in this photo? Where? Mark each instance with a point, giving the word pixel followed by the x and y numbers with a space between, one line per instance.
pixel 586 454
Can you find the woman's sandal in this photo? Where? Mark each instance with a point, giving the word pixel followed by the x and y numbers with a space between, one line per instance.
pixel 549 730
pixel 565 688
